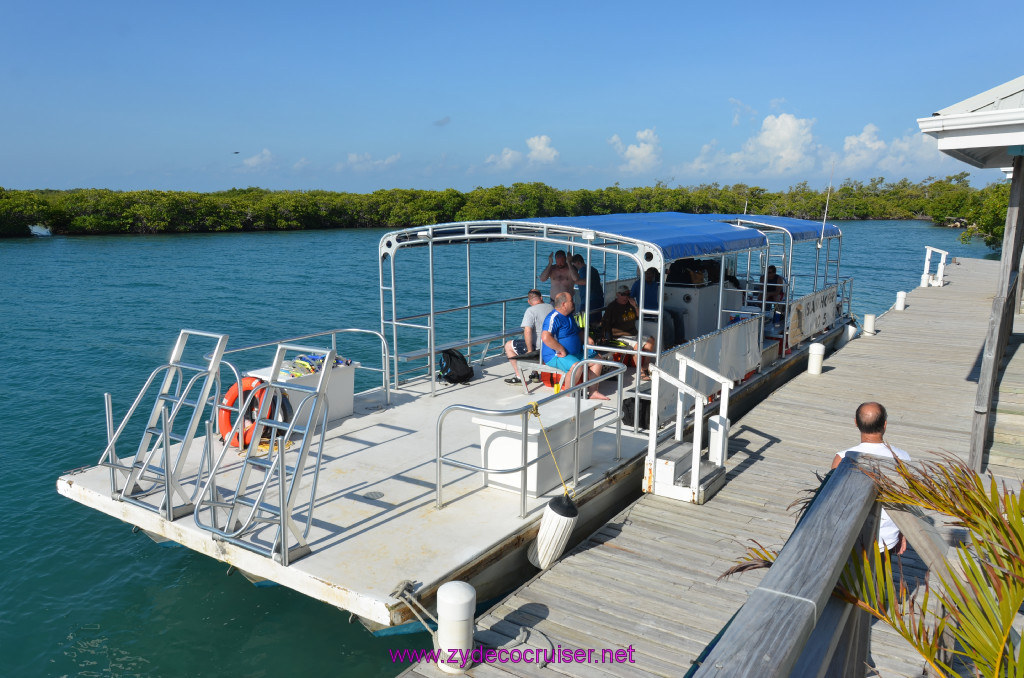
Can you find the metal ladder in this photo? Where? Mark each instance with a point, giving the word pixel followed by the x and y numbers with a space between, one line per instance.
pixel 238 515
pixel 164 448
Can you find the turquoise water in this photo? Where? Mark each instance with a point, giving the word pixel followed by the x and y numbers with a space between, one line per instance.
pixel 81 594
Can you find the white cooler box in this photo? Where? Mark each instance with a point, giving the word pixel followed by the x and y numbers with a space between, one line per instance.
pixel 340 388
pixel 501 445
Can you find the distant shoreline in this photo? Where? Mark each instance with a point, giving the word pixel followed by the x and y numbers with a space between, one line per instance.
pixel 950 201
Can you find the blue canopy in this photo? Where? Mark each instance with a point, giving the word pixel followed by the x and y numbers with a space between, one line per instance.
pixel 798 229
pixel 678 235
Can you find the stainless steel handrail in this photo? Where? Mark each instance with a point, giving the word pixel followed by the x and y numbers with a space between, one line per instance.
pixel 385 354
pixel 459 308
pixel 524 411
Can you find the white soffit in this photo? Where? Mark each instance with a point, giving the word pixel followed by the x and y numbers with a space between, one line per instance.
pixel 980 130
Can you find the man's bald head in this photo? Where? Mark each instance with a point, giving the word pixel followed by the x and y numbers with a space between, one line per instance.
pixel 871 418
pixel 562 301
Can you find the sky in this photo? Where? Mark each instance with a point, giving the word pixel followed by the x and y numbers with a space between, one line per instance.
pixel 346 96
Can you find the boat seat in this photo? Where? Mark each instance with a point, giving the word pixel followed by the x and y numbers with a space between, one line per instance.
pixel 532 359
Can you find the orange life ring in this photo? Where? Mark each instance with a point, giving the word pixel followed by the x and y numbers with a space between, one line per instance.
pixel 224 423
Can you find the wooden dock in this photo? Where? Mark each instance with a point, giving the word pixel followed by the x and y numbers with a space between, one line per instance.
pixel 647 580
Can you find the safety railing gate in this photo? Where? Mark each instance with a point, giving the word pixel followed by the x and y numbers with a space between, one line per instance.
pixel 278 448
pixel 664 474
pixel 158 462
pixel 929 279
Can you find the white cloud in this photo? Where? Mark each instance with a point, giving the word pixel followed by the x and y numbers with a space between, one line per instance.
pixel 506 160
pixel 640 157
pixel 300 164
pixel 862 151
pixel 541 151
pixel 262 159
pixel 784 145
pixel 740 110
pixel 911 154
pixel 364 162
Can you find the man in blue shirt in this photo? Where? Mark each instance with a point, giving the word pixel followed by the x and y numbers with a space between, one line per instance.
pixel 562 342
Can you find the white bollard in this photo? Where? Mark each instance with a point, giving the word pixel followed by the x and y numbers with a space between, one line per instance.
pixel 901 301
pixel 815 357
pixel 869 324
pixel 925 280
pixel 456 608
pixel 718 439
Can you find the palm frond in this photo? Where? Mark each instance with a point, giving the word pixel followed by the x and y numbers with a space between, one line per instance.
pixel 756 557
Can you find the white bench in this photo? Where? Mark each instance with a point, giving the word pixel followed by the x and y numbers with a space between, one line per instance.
pixel 501 445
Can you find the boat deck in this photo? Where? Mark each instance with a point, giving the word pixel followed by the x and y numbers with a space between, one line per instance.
pixel 647 579
pixel 375 523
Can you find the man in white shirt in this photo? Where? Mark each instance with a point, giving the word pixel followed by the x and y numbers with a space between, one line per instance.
pixel 533 324
pixel 871 420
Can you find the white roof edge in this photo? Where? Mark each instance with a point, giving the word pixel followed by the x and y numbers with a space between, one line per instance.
pixel 935 124
pixel 986 98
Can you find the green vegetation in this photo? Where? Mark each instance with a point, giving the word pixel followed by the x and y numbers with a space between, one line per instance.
pixel 100 211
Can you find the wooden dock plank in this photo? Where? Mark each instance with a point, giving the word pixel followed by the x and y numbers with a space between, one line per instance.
pixel 649 576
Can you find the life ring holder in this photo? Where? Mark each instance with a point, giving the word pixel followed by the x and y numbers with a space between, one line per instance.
pixel 224 423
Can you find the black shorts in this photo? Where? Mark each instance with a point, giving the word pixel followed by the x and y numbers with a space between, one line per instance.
pixel 519 346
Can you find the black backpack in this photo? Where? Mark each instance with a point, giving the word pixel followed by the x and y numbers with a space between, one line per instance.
pixel 645 413
pixel 452 366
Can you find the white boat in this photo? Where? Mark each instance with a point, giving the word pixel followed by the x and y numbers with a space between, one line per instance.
pixel 393 490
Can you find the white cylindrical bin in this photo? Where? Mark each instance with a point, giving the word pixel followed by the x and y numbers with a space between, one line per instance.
pixel 869 324
pixel 815 356
pixel 456 607
pixel 901 301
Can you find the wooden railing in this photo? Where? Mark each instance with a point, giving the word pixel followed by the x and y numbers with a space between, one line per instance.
pixel 1004 306
pixel 791 625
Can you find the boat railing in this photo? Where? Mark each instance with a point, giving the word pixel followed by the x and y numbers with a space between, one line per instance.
pixel 159 461
pixel 576 393
pixel 793 624
pixel 929 279
pixel 383 370
pixel 280 447
pixel 473 336
pixel 660 479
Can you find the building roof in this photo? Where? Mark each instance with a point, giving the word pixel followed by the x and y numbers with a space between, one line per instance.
pixel 984 130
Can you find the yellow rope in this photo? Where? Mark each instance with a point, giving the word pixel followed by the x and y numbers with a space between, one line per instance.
pixel 535 411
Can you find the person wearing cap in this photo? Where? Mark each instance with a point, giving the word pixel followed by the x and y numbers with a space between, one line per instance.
pixel 620 323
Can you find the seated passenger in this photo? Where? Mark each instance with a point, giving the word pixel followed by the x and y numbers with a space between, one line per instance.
pixel 562 342
pixel 776 286
pixel 533 324
pixel 620 323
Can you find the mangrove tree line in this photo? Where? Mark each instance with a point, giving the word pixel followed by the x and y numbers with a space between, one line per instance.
pixel 100 211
